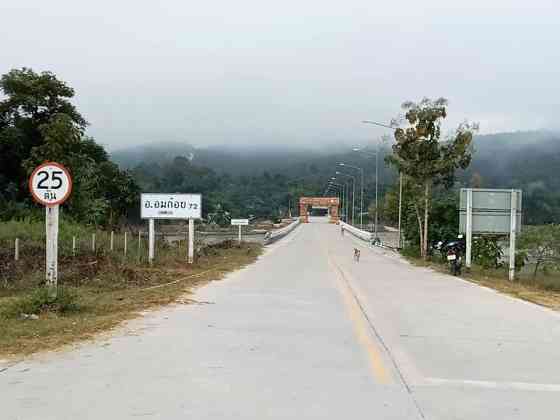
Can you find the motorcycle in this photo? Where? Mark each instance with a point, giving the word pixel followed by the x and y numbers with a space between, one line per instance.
pixel 455 261
pixel 452 252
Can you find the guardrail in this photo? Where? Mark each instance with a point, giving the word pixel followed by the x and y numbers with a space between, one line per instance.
pixel 361 234
pixel 387 238
pixel 274 235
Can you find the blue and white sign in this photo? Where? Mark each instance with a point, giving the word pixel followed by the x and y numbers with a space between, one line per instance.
pixel 170 206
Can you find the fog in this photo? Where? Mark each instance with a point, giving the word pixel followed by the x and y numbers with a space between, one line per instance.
pixel 292 72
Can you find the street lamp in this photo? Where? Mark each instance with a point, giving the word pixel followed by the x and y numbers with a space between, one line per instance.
pixel 339 192
pixel 353 191
pixel 376 172
pixel 344 194
pixel 361 189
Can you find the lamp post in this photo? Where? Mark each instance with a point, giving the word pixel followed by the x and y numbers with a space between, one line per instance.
pixel 353 192
pixel 339 191
pixel 342 191
pixel 376 172
pixel 345 165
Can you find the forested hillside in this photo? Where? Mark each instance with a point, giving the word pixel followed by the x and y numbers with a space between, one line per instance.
pixel 38 122
pixel 261 180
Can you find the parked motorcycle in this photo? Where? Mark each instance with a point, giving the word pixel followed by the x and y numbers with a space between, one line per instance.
pixel 452 252
pixel 443 246
pixel 455 260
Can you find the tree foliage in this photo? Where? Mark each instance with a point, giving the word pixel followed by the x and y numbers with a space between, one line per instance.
pixel 427 160
pixel 38 123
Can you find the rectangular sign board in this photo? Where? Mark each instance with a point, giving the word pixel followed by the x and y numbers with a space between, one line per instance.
pixel 170 206
pixel 491 211
pixel 239 222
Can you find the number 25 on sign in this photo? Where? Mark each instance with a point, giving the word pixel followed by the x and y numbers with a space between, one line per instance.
pixel 50 184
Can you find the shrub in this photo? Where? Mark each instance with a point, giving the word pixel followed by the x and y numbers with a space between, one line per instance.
pixel 39 301
pixel 487 252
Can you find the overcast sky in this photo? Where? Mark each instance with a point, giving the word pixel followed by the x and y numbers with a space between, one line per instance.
pixel 293 71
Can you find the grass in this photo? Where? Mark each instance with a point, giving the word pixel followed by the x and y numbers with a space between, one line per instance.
pixel 544 290
pixel 99 291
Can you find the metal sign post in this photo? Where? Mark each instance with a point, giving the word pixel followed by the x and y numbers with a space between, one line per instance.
pixel 52 248
pixel 191 241
pixel 513 229
pixel 239 223
pixel 50 184
pixel 151 240
pixel 468 251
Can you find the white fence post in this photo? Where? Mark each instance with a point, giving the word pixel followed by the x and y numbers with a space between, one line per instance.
pixel 93 242
pixel 112 246
pixel 125 243
pixel 139 244
pixel 16 251
pixel 73 246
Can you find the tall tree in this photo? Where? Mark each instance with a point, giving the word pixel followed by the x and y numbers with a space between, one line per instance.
pixel 425 159
pixel 32 102
pixel 38 123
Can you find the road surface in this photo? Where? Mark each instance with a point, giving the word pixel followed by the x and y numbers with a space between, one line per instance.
pixel 306 333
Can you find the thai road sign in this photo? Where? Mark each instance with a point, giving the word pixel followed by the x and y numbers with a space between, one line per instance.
pixel 239 222
pixel 170 206
pixel 50 184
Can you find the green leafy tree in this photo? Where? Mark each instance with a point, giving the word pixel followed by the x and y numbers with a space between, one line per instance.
pixel 427 160
pixel 38 123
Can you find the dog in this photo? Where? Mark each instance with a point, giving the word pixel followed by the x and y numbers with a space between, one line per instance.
pixel 356 255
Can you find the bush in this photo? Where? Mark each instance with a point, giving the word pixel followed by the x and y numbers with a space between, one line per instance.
pixel 39 301
pixel 486 252
pixel 411 251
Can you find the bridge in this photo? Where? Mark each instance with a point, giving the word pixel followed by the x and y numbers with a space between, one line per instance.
pixel 306 333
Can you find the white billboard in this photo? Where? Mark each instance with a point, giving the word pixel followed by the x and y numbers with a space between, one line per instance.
pixel 239 222
pixel 170 206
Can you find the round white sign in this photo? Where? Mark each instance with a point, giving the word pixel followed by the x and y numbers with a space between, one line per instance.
pixel 50 184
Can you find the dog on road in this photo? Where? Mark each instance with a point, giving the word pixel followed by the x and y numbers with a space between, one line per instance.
pixel 356 255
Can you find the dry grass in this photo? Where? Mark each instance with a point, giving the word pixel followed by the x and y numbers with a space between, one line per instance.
pixel 536 291
pixel 110 293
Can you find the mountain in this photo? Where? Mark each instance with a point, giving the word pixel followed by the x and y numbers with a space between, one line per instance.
pixel 233 160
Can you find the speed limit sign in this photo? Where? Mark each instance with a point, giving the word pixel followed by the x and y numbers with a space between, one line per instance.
pixel 50 184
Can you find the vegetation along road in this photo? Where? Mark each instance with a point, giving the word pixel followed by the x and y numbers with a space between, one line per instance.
pixel 306 332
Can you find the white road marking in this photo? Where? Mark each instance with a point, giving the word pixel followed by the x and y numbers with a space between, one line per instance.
pixel 521 386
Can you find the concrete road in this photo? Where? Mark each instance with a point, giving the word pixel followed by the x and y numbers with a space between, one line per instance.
pixel 307 333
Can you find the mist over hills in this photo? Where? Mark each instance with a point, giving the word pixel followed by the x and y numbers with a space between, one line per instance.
pixel 500 158
pixel 233 160
pixel 526 160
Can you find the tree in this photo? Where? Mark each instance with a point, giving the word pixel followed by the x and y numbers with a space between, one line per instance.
pixel 426 160
pixel 33 101
pixel 38 123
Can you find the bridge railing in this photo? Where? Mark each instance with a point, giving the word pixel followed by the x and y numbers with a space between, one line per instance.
pixel 274 235
pixel 361 234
